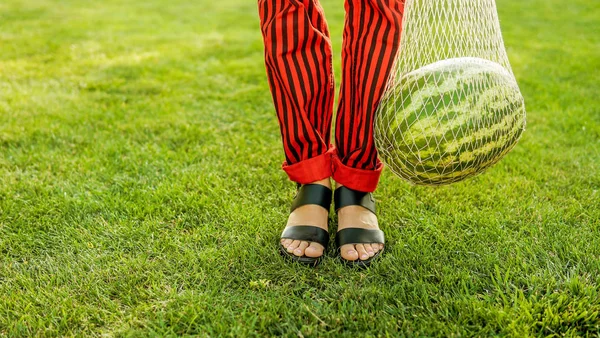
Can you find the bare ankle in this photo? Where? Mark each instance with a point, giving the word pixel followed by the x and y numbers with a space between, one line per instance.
pixel 326 182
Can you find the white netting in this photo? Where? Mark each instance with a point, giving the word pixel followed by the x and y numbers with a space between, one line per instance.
pixel 452 106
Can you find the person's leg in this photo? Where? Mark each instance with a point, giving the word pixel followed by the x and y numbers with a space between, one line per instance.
pixel 298 61
pixel 371 41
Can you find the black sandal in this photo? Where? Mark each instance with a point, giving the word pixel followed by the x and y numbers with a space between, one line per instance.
pixel 344 197
pixel 308 194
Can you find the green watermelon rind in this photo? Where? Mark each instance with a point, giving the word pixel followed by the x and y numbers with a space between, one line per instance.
pixel 482 128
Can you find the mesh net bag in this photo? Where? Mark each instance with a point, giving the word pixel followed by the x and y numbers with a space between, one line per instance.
pixel 452 106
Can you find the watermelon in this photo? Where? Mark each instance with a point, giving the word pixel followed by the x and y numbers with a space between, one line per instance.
pixel 449 120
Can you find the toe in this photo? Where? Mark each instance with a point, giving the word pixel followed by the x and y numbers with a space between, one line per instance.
pixel 348 252
pixel 286 242
pixel 314 250
pixel 369 250
pixel 293 246
pixel 299 251
pixel 362 253
pixel 375 247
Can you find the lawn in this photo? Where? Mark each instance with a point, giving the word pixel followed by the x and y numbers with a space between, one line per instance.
pixel 141 192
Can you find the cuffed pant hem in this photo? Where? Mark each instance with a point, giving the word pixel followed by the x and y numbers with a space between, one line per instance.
pixel 312 169
pixel 356 179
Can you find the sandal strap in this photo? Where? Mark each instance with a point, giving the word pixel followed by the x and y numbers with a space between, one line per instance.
pixel 344 197
pixel 358 236
pixel 312 194
pixel 307 233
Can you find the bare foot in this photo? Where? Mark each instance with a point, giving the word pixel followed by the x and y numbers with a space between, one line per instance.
pixel 308 215
pixel 356 216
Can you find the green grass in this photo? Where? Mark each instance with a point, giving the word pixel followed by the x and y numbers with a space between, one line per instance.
pixel 141 191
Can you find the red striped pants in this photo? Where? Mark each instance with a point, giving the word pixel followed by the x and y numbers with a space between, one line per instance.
pixel 298 58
